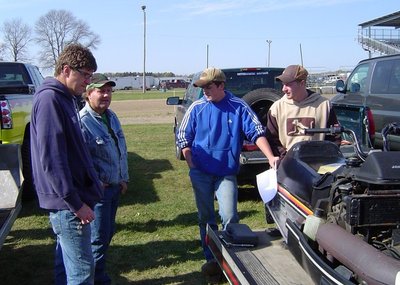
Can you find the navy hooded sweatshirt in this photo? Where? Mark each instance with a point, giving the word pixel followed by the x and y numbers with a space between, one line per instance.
pixel 63 171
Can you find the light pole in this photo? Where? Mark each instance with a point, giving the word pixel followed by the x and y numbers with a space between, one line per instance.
pixel 207 55
pixel 144 48
pixel 269 51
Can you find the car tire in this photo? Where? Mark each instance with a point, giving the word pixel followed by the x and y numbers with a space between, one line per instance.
pixel 260 100
pixel 28 189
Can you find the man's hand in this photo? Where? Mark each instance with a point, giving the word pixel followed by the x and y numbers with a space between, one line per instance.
pixel 274 162
pixel 264 146
pixel 123 186
pixel 85 214
pixel 187 154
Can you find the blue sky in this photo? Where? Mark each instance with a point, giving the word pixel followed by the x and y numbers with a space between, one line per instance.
pixel 236 31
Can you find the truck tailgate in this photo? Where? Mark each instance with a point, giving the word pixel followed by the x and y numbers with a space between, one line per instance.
pixel 268 263
pixel 10 186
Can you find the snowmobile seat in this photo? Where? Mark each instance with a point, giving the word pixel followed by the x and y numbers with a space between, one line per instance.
pixel 301 167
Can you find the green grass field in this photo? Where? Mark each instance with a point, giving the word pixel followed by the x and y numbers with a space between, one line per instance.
pixel 157 235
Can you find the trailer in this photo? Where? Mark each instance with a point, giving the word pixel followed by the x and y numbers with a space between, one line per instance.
pixel 10 186
pixel 270 262
pixel 133 82
pixel 126 82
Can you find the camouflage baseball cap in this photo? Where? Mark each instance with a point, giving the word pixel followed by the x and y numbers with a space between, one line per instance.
pixel 210 75
pixel 99 80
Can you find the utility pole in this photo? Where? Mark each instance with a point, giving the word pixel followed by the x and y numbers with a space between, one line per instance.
pixel 207 56
pixel 144 48
pixel 269 51
pixel 301 56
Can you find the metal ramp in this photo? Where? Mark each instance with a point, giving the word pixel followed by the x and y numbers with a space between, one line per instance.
pixel 268 263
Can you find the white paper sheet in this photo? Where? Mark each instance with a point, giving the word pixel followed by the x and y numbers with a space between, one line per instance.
pixel 267 184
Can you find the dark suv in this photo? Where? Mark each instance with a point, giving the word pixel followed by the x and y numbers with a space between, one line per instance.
pixel 374 85
pixel 258 88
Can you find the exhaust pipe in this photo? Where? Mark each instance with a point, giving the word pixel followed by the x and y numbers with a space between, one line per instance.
pixel 367 262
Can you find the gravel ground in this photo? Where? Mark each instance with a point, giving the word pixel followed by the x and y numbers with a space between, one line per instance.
pixel 151 111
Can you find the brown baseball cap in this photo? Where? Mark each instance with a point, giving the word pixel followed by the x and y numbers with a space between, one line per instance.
pixel 210 75
pixel 292 73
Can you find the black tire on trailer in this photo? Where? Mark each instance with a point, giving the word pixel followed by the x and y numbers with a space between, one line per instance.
pixel 260 100
pixel 28 189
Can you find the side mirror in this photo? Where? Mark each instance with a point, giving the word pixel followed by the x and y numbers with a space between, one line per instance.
pixel 340 86
pixel 355 87
pixel 173 101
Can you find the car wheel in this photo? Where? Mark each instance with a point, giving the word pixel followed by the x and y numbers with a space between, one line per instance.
pixel 28 189
pixel 260 100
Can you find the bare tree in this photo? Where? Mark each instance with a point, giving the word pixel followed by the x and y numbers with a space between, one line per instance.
pixel 57 29
pixel 17 36
pixel 2 51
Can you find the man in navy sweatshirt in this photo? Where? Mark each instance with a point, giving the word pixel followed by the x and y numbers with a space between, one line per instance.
pixel 211 137
pixel 63 172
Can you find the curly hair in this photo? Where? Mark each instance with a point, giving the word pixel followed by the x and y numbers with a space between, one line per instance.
pixel 76 56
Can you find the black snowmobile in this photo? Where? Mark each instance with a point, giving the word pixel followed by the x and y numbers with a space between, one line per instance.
pixel 339 212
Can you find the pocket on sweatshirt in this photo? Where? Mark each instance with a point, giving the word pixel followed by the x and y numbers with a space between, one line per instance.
pixel 220 162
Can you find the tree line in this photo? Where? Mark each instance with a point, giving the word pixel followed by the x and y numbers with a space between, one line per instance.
pixel 51 32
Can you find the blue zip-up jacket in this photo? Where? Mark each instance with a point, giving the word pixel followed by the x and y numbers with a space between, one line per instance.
pixel 215 132
pixel 63 171
pixel 110 159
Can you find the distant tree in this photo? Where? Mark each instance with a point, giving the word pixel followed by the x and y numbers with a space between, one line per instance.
pixel 2 49
pixel 57 29
pixel 16 36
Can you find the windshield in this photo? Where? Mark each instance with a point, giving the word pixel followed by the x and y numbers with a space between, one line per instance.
pixel 242 81
pixel 13 74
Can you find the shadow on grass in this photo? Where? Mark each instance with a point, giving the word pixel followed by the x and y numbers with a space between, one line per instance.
pixel 248 193
pixel 188 278
pixel 152 225
pixel 30 264
pixel 189 219
pixel 153 255
pixel 142 172
pixel 33 264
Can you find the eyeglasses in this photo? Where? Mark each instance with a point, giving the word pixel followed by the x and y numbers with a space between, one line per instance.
pixel 208 86
pixel 86 75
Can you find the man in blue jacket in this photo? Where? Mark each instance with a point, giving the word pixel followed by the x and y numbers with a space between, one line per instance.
pixel 106 142
pixel 211 137
pixel 63 172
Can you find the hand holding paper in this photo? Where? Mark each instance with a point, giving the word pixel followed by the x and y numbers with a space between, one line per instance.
pixel 267 184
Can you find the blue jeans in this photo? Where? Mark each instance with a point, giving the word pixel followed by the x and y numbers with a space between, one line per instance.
pixel 103 228
pixel 206 187
pixel 74 262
